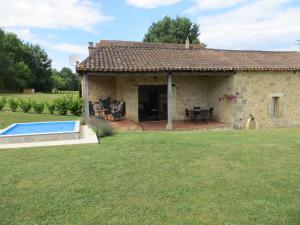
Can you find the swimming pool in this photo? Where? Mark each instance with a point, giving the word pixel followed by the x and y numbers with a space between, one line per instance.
pixel 40 131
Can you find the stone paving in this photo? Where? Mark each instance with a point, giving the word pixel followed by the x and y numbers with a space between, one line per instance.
pixel 126 125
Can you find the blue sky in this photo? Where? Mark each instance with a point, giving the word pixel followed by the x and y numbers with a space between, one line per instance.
pixel 64 27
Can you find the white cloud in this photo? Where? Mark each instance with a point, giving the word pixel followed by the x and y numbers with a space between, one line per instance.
pixel 59 48
pixel 151 4
pixel 51 14
pixel 216 4
pixel 69 48
pixel 27 36
pixel 262 24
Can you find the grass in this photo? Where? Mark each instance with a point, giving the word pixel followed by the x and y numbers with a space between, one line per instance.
pixel 238 177
pixel 36 97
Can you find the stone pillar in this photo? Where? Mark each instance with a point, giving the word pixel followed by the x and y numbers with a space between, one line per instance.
pixel 85 95
pixel 169 125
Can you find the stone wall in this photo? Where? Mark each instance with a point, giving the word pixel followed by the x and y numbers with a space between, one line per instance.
pixel 218 86
pixel 255 91
pixel 190 91
pixel 101 87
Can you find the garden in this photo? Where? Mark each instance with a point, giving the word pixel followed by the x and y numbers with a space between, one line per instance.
pixel 41 107
pixel 179 177
pixel 62 104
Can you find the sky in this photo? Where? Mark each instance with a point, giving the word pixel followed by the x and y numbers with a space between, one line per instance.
pixel 64 27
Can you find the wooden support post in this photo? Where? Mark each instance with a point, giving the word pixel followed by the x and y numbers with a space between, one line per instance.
pixel 169 125
pixel 85 95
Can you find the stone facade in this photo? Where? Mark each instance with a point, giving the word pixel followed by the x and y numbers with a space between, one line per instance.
pixel 256 90
pixel 253 91
pixel 101 87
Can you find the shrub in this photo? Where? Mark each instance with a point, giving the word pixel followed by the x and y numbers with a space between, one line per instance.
pixel 61 105
pixel 25 105
pixel 13 104
pixel 2 103
pixel 101 128
pixel 82 122
pixel 38 107
pixel 50 107
pixel 76 105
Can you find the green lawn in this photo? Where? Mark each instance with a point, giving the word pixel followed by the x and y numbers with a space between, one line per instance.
pixel 37 96
pixel 237 177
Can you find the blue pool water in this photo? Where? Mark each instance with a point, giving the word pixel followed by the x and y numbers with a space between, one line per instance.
pixel 40 128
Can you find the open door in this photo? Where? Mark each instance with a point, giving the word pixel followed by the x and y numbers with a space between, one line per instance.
pixel 152 102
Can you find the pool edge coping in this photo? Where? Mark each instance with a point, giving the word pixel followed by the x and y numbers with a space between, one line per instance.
pixel 87 136
pixel 76 129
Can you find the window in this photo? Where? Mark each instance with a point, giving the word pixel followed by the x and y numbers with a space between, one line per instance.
pixel 275 106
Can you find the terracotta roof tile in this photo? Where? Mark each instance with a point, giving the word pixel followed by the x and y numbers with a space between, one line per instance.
pixel 114 56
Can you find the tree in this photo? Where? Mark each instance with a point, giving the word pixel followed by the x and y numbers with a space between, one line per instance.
pixel 170 30
pixel 65 80
pixel 40 65
pixel 14 73
pixel 23 65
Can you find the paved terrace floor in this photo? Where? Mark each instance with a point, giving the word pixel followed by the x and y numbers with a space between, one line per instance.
pixel 124 125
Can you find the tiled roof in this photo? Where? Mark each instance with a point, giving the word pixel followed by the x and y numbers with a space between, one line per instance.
pixel 122 56
pixel 107 43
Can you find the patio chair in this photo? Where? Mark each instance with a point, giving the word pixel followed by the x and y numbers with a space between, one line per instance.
pixel 211 114
pixel 96 108
pixel 104 105
pixel 195 114
pixel 203 115
pixel 118 110
pixel 187 116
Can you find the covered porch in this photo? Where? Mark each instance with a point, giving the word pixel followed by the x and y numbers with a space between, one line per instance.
pixel 158 101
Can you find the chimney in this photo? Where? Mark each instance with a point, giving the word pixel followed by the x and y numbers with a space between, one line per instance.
pixel 187 43
pixel 91 48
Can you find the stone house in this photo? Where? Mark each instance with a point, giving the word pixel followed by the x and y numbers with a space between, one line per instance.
pixel 175 77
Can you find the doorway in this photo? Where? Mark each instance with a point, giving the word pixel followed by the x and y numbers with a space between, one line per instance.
pixel 152 102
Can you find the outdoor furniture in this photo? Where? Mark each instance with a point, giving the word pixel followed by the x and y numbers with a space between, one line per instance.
pixel 203 115
pixel 195 113
pixel 196 109
pixel 211 114
pixel 98 110
pixel 117 110
pixel 108 110
pixel 188 115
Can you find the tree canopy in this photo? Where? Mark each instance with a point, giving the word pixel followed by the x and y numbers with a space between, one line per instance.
pixel 170 30
pixel 65 80
pixel 14 73
pixel 23 65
